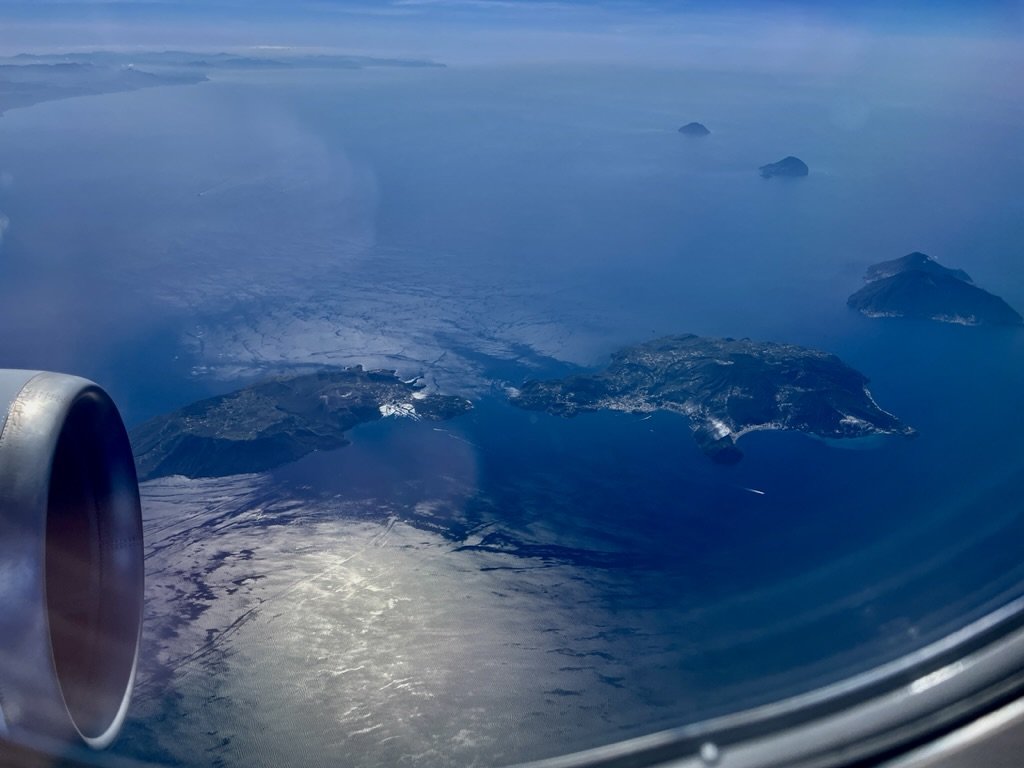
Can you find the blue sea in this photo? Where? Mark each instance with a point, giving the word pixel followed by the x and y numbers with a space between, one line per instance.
pixel 482 226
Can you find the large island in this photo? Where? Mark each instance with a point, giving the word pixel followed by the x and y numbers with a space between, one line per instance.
pixel 277 421
pixel 727 388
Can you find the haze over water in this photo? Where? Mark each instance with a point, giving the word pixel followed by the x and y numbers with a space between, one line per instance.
pixel 489 222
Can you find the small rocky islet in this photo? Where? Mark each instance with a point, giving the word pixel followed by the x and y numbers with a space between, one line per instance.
pixel 694 129
pixel 787 167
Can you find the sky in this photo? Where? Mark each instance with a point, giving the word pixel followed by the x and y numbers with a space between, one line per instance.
pixel 481 31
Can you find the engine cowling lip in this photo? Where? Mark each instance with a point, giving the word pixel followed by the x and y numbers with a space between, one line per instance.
pixel 32 700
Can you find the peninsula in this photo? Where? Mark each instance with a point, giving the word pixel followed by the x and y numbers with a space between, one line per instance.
pixel 277 421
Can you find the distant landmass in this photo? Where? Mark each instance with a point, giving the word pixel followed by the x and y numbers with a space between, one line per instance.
pixel 918 286
pixel 694 129
pixel 22 85
pixel 278 421
pixel 727 388
pixel 265 59
pixel 28 78
pixel 787 166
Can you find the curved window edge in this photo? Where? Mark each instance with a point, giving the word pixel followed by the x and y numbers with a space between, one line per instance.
pixel 866 720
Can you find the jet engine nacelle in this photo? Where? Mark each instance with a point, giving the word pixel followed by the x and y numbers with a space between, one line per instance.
pixel 71 560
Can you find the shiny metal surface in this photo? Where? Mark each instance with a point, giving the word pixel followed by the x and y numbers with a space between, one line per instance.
pixel 995 740
pixel 71 572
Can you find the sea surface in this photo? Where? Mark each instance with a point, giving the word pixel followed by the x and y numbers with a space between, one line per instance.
pixel 509 585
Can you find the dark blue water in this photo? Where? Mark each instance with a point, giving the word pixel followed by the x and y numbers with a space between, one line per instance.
pixel 165 211
pixel 803 562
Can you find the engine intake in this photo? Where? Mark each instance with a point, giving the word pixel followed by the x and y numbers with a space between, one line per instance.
pixel 71 560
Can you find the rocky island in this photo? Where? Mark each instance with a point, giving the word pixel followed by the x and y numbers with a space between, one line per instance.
pixel 918 286
pixel 277 421
pixel 727 388
pixel 694 129
pixel 913 261
pixel 787 166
